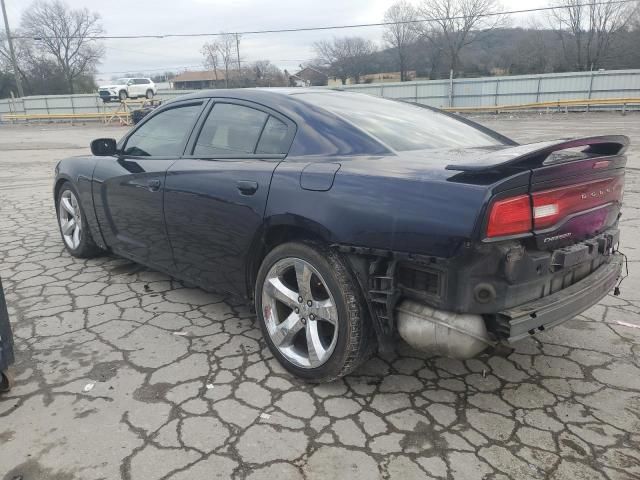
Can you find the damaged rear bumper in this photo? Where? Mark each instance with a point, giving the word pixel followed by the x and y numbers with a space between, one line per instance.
pixel 463 336
pixel 524 320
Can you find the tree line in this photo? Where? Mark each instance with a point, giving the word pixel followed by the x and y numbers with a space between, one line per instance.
pixel 438 38
pixel 56 50
pixel 62 60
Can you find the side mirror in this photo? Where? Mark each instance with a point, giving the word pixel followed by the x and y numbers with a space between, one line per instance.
pixel 103 147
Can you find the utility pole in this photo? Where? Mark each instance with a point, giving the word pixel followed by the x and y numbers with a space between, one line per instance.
pixel 237 55
pixel 11 51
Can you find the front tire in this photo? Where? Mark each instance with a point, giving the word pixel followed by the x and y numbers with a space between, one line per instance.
pixel 73 225
pixel 7 381
pixel 311 312
pixel 123 95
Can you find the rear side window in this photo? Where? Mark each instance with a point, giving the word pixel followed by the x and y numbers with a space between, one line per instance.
pixel 401 126
pixel 274 139
pixel 164 134
pixel 230 130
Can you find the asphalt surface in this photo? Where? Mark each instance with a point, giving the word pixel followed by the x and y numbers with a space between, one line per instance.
pixel 125 373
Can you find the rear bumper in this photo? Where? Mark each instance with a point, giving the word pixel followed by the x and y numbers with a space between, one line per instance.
pixel 549 311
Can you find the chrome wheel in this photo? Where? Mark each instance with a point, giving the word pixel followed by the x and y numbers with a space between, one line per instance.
pixel 70 219
pixel 299 312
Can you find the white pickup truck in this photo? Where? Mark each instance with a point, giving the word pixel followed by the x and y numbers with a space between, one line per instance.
pixel 124 88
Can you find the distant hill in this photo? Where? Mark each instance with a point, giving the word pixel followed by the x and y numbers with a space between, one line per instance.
pixel 508 51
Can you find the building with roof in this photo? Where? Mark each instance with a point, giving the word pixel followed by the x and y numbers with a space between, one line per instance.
pixel 308 77
pixel 192 80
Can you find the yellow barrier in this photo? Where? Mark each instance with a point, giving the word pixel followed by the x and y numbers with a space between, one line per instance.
pixel 120 112
pixel 623 102
pixel 59 116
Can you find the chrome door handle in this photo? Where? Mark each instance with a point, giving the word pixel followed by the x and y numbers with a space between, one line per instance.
pixel 247 187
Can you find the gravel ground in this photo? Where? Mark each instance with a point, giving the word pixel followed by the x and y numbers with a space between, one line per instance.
pixel 184 387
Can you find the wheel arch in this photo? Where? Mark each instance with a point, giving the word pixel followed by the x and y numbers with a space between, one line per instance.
pixel 61 180
pixel 276 231
pixel 78 172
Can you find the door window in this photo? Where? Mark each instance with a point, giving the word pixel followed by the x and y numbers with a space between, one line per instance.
pixel 230 130
pixel 164 134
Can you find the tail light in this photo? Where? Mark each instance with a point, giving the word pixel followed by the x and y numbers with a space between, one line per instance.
pixel 551 206
pixel 509 216
pixel 521 214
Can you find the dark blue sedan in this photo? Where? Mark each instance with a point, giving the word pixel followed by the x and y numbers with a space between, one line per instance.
pixel 348 219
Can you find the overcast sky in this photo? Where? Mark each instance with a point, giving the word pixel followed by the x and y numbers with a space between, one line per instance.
pixel 287 50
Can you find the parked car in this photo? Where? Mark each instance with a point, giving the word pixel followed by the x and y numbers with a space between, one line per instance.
pixel 6 346
pixel 347 219
pixel 124 88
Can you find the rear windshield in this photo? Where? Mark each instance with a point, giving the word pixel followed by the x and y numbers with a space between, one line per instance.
pixel 401 126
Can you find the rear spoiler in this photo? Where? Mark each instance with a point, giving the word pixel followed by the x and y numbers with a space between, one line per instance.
pixel 534 154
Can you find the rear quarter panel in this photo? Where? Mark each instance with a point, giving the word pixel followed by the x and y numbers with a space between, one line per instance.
pixel 377 202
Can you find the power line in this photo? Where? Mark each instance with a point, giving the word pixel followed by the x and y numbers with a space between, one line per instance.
pixel 331 27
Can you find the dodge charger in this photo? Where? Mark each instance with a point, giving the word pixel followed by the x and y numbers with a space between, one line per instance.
pixel 348 220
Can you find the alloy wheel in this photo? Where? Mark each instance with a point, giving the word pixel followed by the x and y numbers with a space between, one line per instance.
pixel 300 313
pixel 70 219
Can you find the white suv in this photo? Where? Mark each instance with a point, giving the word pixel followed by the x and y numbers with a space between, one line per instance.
pixel 125 88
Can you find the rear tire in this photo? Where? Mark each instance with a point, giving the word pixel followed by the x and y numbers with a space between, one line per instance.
pixel 73 225
pixel 310 346
pixel 149 94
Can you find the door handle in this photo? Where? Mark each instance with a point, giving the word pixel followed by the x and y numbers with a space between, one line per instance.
pixel 154 185
pixel 247 187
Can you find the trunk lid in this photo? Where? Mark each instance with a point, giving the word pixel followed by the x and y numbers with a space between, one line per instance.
pixel 574 193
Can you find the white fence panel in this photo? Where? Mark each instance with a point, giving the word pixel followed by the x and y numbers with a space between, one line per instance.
pixel 461 92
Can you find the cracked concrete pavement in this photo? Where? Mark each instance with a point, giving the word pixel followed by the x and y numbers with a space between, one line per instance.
pixel 185 388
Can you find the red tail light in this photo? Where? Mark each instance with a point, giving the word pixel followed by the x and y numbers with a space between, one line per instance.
pixel 509 216
pixel 551 206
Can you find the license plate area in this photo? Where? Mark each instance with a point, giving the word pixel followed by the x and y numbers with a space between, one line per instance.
pixel 570 256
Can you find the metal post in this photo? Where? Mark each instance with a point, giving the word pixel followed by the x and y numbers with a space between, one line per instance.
pixel 538 91
pixel 416 85
pixel 590 87
pixel 12 53
pixel 497 92
pixel 238 55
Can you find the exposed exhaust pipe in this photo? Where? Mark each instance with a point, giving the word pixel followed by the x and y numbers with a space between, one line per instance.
pixel 454 335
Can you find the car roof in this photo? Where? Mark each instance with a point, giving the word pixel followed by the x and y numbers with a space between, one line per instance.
pixel 257 94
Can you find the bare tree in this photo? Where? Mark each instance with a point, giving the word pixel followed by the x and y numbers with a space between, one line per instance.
pixel 23 54
pixel 401 34
pixel 586 28
pixel 263 73
pixel 66 34
pixel 210 51
pixel 458 22
pixel 346 57
pixel 228 54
